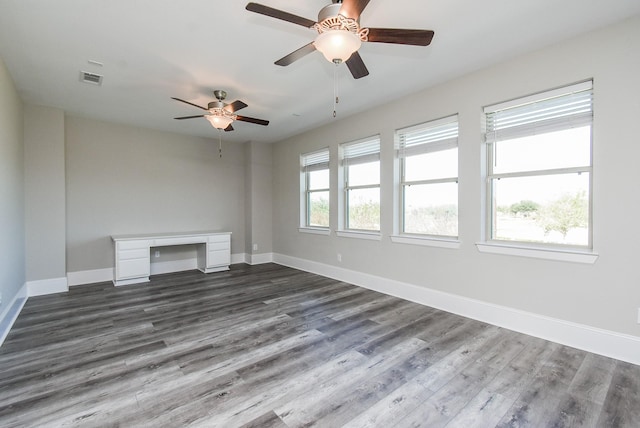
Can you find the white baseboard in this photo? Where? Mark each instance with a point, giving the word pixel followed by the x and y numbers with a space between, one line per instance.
pixel 89 276
pixel 239 258
pixel 258 259
pixel 599 341
pixel 106 274
pixel 11 312
pixel 47 286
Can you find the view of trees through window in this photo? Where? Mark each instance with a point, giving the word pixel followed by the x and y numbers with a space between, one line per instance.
pixel 318 198
pixel 319 210
pixel 538 175
pixel 568 213
pixel 363 196
pixel 431 209
pixel 428 187
pixel 563 220
pixel 541 187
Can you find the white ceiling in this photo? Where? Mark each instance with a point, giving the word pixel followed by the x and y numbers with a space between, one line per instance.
pixel 156 49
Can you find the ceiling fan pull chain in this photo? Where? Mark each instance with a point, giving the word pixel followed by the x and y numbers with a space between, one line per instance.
pixel 220 143
pixel 336 100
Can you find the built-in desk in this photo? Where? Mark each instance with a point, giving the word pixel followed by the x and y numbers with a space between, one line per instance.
pixel 133 253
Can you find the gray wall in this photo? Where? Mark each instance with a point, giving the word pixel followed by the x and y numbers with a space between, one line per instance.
pixel 259 160
pixel 604 295
pixel 121 180
pixel 44 193
pixel 12 224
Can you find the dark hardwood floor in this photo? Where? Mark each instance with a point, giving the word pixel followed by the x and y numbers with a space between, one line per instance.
pixel 270 346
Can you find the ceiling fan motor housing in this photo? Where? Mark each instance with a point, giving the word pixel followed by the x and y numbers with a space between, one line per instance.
pixel 215 105
pixel 329 11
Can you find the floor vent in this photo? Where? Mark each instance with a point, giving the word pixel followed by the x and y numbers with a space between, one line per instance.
pixel 94 79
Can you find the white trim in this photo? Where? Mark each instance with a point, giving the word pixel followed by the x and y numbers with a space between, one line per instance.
pixel 427 241
pixel 538 253
pixel 130 281
pixel 106 274
pixel 89 276
pixel 239 258
pixel 47 286
pixel 372 236
pixel 11 312
pixel 604 342
pixel 258 259
pixel 315 231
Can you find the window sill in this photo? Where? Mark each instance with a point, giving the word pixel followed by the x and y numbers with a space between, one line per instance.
pixel 372 236
pixel 315 230
pixel 426 241
pixel 574 256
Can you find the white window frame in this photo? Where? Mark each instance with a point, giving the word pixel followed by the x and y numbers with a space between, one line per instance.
pixel 356 152
pixel 496 118
pixel 313 161
pixel 429 137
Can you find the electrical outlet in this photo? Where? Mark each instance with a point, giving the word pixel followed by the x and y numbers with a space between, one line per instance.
pixel 255 247
pixel 340 257
pixel 157 253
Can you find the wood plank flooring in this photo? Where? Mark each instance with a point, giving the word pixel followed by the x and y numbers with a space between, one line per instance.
pixel 270 346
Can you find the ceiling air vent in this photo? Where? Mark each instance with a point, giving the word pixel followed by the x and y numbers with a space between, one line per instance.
pixel 94 79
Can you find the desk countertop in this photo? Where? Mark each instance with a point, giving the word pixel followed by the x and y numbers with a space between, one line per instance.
pixel 167 235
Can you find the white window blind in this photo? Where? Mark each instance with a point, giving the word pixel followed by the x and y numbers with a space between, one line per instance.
pixel 315 161
pixel 545 112
pixel 361 151
pixel 429 137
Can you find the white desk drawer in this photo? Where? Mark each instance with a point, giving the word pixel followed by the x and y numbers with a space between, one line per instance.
pixel 133 268
pixel 164 242
pixel 142 253
pixel 219 257
pixel 215 246
pixel 132 245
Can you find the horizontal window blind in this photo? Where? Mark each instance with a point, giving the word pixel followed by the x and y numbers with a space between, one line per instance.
pixel 361 151
pixel 428 137
pixel 315 161
pixel 550 112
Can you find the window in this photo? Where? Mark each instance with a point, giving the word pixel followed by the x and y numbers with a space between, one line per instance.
pixel 428 185
pixel 361 175
pixel 315 189
pixel 539 168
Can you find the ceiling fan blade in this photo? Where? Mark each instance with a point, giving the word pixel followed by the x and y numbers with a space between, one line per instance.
pixel 252 120
pixel 353 8
pixel 279 14
pixel 296 55
pixel 235 106
pixel 189 117
pixel 187 102
pixel 356 66
pixel 228 128
pixel 400 36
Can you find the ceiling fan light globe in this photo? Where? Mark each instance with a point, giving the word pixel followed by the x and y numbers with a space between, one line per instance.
pixel 337 44
pixel 219 122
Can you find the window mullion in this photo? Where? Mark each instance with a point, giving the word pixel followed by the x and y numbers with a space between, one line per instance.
pixel 432 181
pixel 557 171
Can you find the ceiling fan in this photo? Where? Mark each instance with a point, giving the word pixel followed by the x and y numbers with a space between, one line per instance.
pixel 220 114
pixel 340 34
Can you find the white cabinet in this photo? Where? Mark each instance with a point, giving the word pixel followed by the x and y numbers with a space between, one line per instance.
pixel 132 260
pixel 133 253
pixel 216 255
